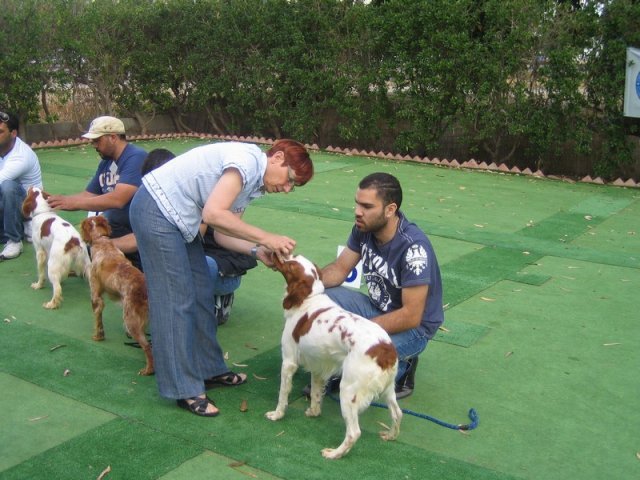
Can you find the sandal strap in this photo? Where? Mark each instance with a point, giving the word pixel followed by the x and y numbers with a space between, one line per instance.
pixel 231 378
pixel 199 404
pixel 228 379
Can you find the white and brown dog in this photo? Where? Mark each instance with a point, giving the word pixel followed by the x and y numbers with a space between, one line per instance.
pixel 327 340
pixel 112 273
pixel 57 244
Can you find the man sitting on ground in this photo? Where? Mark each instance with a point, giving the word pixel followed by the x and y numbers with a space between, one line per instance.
pixel 116 180
pixel 401 272
pixel 19 170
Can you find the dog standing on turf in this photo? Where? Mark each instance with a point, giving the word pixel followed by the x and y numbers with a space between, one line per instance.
pixel 325 339
pixel 112 273
pixel 58 246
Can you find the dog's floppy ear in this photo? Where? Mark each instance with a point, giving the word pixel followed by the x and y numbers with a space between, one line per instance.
pixel 299 286
pixel 296 293
pixel 102 224
pixel 29 203
pixel 85 230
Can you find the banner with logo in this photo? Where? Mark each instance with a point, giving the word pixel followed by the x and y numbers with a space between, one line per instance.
pixel 354 279
pixel 632 84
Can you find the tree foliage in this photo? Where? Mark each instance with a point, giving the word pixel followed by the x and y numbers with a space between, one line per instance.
pixel 25 62
pixel 536 76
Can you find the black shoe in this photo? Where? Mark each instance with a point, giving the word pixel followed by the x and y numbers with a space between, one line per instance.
pixel 332 386
pixel 222 306
pixel 406 383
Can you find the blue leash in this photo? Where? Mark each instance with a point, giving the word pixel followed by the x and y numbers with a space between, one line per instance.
pixel 473 416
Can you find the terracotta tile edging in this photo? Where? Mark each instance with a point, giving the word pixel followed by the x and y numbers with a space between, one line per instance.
pixel 471 164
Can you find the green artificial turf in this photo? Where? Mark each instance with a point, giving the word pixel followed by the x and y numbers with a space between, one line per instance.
pixel 128 448
pixel 144 435
pixel 462 334
pixel 540 337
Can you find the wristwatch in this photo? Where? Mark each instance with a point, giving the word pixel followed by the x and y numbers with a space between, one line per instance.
pixel 254 250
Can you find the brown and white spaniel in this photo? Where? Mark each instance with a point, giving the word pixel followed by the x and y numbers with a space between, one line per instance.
pixel 112 273
pixel 57 244
pixel 327 340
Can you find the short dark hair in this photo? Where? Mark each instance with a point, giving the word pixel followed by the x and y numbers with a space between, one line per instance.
pixel 156 158
pixel 11 120
pixel 387 186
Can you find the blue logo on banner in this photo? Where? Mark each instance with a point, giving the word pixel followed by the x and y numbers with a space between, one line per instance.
pixel 638 85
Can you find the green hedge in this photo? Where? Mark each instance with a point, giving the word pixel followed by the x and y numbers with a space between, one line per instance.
pixel 532 76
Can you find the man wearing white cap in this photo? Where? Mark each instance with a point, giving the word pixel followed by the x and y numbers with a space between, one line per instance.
pixel 115 182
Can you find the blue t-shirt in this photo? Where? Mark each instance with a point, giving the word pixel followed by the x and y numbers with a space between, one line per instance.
pixel 407 260
pixel 109 173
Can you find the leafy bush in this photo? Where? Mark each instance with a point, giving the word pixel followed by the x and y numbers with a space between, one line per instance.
pixel 532 79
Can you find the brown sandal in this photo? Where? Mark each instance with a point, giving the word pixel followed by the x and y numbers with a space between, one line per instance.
pixel 229 379
pixel 198 406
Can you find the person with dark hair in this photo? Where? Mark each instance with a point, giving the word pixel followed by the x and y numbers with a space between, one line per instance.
pixel 19 170
pixel 400 269
pixel 116 180
pixel 127 243
pixel 211 184
pixel 156 158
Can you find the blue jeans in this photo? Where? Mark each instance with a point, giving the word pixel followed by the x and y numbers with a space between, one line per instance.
pixel 409 343
pixel 183 324
pixel 12 195
pixel 221 285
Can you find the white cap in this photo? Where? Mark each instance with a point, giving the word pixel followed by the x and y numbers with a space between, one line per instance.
pixel 104 126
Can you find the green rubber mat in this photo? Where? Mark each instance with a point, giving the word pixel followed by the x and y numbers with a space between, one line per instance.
pixel 540 338
pixel 460 333
pixel 150 428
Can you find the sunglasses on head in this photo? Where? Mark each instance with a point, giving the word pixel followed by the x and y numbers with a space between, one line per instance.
pixel 4 117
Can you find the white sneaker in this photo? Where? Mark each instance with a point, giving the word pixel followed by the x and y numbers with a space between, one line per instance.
pixel 11 250
pixel 27 231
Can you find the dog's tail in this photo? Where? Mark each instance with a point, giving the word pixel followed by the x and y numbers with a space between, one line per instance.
pixel 83 261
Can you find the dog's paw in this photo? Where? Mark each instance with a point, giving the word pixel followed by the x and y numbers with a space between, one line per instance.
pixel 52 305
pixel 275 415
pixel 388 435
pixel 313 412
pixel 36 285
pixel 145 370
pixel 331 453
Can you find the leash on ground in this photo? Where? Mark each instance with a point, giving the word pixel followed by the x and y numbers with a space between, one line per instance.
pixel 473 416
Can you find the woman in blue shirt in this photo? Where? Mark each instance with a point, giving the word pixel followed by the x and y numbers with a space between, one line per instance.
pixel 214 184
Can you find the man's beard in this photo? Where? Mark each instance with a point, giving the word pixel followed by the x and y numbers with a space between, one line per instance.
pixel 375 225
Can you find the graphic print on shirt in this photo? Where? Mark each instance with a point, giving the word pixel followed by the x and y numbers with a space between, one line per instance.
pixel 377 274
pixel 416 259
pixel 109 178
pixel 378 291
